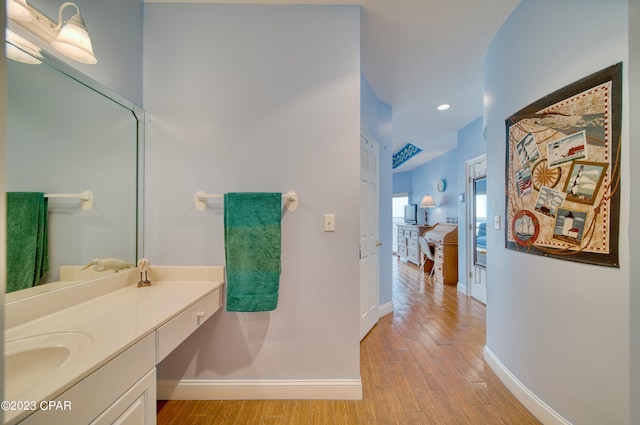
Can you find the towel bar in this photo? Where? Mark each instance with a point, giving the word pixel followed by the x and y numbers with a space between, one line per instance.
pixel 86 198
pixel 200 199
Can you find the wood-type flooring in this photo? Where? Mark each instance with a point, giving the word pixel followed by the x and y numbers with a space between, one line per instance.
pixel 422 364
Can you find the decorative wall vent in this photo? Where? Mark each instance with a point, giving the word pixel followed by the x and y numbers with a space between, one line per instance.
pixel 404 154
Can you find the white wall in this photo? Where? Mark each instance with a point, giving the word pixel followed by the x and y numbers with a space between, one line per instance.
pixel 561 328
pixel 634 225
pixel 259 98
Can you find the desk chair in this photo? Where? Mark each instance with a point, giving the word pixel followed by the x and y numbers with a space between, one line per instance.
pixel 426 252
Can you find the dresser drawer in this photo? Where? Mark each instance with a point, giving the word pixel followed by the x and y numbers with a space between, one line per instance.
pixel 412 254
pixel 171 334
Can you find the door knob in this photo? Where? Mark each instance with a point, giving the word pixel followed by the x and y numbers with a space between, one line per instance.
pixel 378 244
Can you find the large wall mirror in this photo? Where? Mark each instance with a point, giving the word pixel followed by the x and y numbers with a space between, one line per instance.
pixel 66 134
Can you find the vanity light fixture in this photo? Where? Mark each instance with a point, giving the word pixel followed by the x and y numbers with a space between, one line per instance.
pixel 18 10
pixel 427 202
pixel 26 53
pixel 69 38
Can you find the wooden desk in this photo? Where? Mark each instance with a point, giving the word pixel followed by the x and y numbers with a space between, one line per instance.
pixel 444 238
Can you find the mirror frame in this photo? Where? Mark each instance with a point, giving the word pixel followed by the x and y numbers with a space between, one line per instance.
pixel 139 115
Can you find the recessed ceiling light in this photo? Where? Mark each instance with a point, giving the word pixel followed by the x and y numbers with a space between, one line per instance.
pixel 444 107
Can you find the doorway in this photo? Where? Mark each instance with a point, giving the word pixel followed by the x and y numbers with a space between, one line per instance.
pixel 399 200
pixel 476 239
pixel 369 233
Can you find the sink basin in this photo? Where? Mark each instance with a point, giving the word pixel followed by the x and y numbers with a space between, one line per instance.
pixel 36 359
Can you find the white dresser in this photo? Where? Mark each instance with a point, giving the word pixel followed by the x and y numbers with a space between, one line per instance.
pixel 408 248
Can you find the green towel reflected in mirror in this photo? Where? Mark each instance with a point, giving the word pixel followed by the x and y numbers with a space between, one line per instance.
pixel 27 245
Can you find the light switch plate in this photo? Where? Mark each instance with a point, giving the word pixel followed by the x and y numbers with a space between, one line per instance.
pixel 496 222
pixel 329 222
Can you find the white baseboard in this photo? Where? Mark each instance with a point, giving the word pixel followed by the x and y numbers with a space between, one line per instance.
pixel 312 389
pixel 537 407
pixel 385 309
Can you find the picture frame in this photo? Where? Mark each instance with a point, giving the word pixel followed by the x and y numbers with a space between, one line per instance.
pixel 584 180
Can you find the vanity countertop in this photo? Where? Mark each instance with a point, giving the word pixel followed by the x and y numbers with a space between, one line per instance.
pixel 114 321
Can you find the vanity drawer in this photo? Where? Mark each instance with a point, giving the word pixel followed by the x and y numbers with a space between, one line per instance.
pixel 171 334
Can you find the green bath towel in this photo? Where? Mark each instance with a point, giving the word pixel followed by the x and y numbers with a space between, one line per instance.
pixel 27 245
pixel 252 249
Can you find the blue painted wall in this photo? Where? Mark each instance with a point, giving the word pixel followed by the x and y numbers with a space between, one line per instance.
pixel 470 145
pixel 561 328
pixel 423 181
pixel 402 182
pixel 273 105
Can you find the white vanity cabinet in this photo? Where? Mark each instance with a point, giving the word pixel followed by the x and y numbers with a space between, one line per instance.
pixel 112 378
pixel 123 388
pixel 135 407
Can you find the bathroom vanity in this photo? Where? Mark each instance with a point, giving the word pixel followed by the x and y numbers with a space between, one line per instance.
pixel 86 354
pixel 82 348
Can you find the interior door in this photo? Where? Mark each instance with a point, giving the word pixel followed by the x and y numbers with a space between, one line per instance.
pixel 477 228
pixel 369 233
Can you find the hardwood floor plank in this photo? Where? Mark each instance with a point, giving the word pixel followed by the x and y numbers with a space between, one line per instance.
pixel 251 412
pixel 423 364
pixel 322 412
pixel 345 412
pixel 227 412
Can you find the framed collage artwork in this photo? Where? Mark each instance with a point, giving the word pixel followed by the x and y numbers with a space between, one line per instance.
pixel 563 172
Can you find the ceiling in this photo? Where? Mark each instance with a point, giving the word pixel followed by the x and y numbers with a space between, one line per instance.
pixel 418 54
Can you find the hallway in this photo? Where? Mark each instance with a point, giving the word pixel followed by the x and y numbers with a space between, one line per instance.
pixel 422 364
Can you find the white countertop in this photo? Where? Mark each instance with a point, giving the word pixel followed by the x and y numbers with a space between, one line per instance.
pixel 114 321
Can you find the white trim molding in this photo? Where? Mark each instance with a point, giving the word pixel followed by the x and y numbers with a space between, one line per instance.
pixel 532 402
pixel 462 288
pixel 211 389
pixel 385 309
